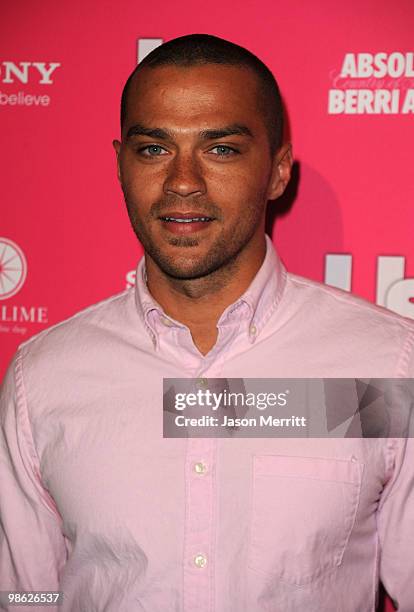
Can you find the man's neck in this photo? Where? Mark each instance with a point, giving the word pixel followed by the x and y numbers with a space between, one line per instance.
pixel 199 303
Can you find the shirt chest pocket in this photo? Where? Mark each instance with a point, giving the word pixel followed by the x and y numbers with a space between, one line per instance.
pixel 302 514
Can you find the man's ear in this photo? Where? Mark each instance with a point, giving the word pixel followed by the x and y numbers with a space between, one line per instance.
pixel 117 146
pixel 281 170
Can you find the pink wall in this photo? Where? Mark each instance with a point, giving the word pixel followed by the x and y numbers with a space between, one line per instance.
pixel 62 209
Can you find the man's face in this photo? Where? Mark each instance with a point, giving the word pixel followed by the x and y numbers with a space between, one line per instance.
pixel 195 166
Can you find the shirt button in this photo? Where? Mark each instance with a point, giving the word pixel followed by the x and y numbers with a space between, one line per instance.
pixel 167 322
pixel 200 560
pixel 200 467
pixel 253 330
pixel 202 382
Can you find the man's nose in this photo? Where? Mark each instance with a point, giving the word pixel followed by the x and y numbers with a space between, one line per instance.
pixel 184 177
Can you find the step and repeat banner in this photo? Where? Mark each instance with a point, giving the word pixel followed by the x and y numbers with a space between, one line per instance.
pixel 346 72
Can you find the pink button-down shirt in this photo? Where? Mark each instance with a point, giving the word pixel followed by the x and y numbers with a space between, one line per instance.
pixel 96 503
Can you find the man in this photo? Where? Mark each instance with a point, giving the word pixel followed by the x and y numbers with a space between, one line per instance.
pixel 95 502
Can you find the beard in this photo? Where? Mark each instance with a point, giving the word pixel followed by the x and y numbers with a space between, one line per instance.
pixel 222 254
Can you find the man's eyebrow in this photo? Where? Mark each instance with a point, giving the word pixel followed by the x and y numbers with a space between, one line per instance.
pixel 235 129
pixel 140 130
pixel 229 130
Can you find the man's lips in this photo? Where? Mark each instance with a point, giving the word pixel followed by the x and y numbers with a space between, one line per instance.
pixel 185 223
pixel 185 217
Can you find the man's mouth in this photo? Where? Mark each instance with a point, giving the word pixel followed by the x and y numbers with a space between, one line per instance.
pixel 185 223
pixel 185 220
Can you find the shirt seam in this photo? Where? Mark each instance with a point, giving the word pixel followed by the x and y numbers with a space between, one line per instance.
pixel 376 567
pixel 22 417
pixel 406 352
pixel 82 312
pixel 392 445
pixel 394 478
pixel 352 300
pixel 273 306
pixel 213 526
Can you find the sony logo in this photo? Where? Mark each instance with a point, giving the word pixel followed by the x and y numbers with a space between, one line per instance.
pixel 22 72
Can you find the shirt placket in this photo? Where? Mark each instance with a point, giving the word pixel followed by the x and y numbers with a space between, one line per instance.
pixel 199 551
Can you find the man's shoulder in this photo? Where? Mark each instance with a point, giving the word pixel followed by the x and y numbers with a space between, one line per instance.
pixel 85 327
pixel 341 304
pixel 349 315
pixel 353 333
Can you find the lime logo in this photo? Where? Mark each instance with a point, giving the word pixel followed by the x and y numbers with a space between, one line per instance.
pixel 13 268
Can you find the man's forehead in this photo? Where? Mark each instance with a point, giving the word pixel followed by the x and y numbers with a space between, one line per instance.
pixel 194 79
pixel 226 93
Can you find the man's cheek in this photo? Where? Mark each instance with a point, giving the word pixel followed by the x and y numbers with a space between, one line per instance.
pixel 141 189
pixel 146 183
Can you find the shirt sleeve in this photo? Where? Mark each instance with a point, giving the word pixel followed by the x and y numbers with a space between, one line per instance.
pixel 396 530
pixel 32 546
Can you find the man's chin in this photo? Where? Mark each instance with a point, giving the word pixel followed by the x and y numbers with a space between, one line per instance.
pixel 185 271
pixel 189 259
pixel 184 241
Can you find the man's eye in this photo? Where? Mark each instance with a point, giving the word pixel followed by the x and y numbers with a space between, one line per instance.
pixel 152 151
pixel 223 151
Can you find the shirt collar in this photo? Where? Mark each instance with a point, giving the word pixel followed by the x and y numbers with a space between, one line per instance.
pixel 252 310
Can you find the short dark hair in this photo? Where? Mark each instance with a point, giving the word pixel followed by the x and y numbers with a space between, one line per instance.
pixel 198 49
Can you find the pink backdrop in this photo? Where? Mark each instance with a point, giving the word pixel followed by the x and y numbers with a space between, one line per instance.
pixel 346 71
